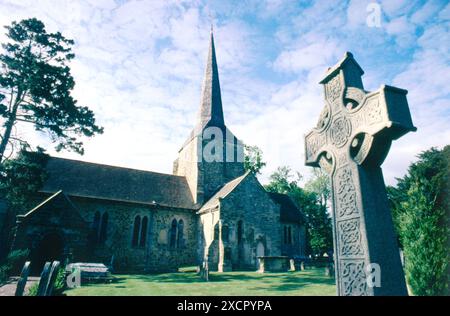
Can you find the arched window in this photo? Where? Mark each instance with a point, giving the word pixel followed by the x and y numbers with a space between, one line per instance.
pixel 240 232
pixel 289 235
pixel 173 234
pixel 104 228
pixel 143 231
pixel 225 233
pixel 96 226
pixel 136 229
pixel 180 239
pixel 285 235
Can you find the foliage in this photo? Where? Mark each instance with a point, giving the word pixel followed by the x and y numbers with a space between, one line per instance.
pixel 13 263
pixel 33 291
pixel 60 282
pixel 319 230
pixel 321 185
pixel 420 204
pixel 22 177
pixel 36 85
pixel 282 181
pixel 253 160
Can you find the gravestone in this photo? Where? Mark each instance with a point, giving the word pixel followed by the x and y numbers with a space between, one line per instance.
pixel 43 281
pixel 291 265
pixel 23 279
pixel 52 278
pixel 350 142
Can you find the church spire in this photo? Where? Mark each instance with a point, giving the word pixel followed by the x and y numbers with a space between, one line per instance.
pixel 211 102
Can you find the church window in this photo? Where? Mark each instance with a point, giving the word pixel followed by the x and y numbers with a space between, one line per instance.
pixel 173 234
pixel 144 228
pixel 180 239
pixel 103 228
pixel 96 226
pixel 225 233
pixel 136 229
pixel 289 235
pixel 240 232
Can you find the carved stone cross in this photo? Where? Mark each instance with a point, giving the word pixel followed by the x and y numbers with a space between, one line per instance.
pixel 350 142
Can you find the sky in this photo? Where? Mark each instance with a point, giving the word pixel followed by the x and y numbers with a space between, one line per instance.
pixel 139 66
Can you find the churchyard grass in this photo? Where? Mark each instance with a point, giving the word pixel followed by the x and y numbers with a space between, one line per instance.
pixel 187 282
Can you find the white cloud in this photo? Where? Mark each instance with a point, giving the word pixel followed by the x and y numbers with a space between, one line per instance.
pixel 140 64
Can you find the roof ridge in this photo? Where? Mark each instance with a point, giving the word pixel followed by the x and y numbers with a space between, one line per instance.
pixel 116 167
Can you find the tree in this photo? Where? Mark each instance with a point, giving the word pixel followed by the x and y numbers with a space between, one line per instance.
pixel 320 184
pixel 282 181
pixel 420 204
pixel 253 160
pixel 36 85
pixel 319 230
pixel 20 180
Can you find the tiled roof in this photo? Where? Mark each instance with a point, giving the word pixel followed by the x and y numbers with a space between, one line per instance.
pixel 85 179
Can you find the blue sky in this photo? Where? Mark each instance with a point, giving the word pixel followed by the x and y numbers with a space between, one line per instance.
pixel 139 65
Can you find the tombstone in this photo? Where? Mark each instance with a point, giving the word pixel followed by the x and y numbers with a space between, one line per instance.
pixel 23 279
pixel 329 269
pixel 350 142
pixel 52 278
pixel 291 265
pixel 43 281
pixel 302 266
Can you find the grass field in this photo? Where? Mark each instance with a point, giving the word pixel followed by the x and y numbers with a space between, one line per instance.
pixel 187 282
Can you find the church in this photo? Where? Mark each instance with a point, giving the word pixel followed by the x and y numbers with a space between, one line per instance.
pixel 208 211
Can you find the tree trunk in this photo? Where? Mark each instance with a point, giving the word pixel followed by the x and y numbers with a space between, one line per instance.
pixel 8 128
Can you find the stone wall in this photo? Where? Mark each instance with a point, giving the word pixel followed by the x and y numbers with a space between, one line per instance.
pixel 156 254
pixel 297 246
pixel 259 231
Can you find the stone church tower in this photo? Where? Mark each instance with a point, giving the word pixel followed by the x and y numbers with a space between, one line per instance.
pixel 212 155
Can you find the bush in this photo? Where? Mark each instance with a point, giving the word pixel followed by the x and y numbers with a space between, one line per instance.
pixel 421 212
pixel 13 264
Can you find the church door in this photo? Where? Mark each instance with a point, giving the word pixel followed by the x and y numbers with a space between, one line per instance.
pixel 50 248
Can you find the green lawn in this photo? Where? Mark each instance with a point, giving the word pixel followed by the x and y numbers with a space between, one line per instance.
pixel 309 282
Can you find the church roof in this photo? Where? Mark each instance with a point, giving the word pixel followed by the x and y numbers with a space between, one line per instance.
pixel 223 192
pixel 289 212
pixel 86 179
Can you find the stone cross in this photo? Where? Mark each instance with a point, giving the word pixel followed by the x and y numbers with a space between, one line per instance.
pixel 350 142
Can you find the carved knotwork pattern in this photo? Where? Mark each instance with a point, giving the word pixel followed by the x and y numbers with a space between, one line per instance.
pixel 353 278
pixel 350 238
pixel 314 143
pixel 346 193
pixel 334 88
pixel 373 112
pixel 324 118
pixel 340 131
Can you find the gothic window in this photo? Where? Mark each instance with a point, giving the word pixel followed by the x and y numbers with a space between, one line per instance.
pixel 240 232
pixel 180 239
pixel 103 228
pixel 289 235
pixel 225 233
pixel 136 229
pixel 144 228
pixel 96 226
pixel 173 234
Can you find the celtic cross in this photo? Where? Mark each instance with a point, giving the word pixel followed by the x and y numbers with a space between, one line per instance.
pixel 350 142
